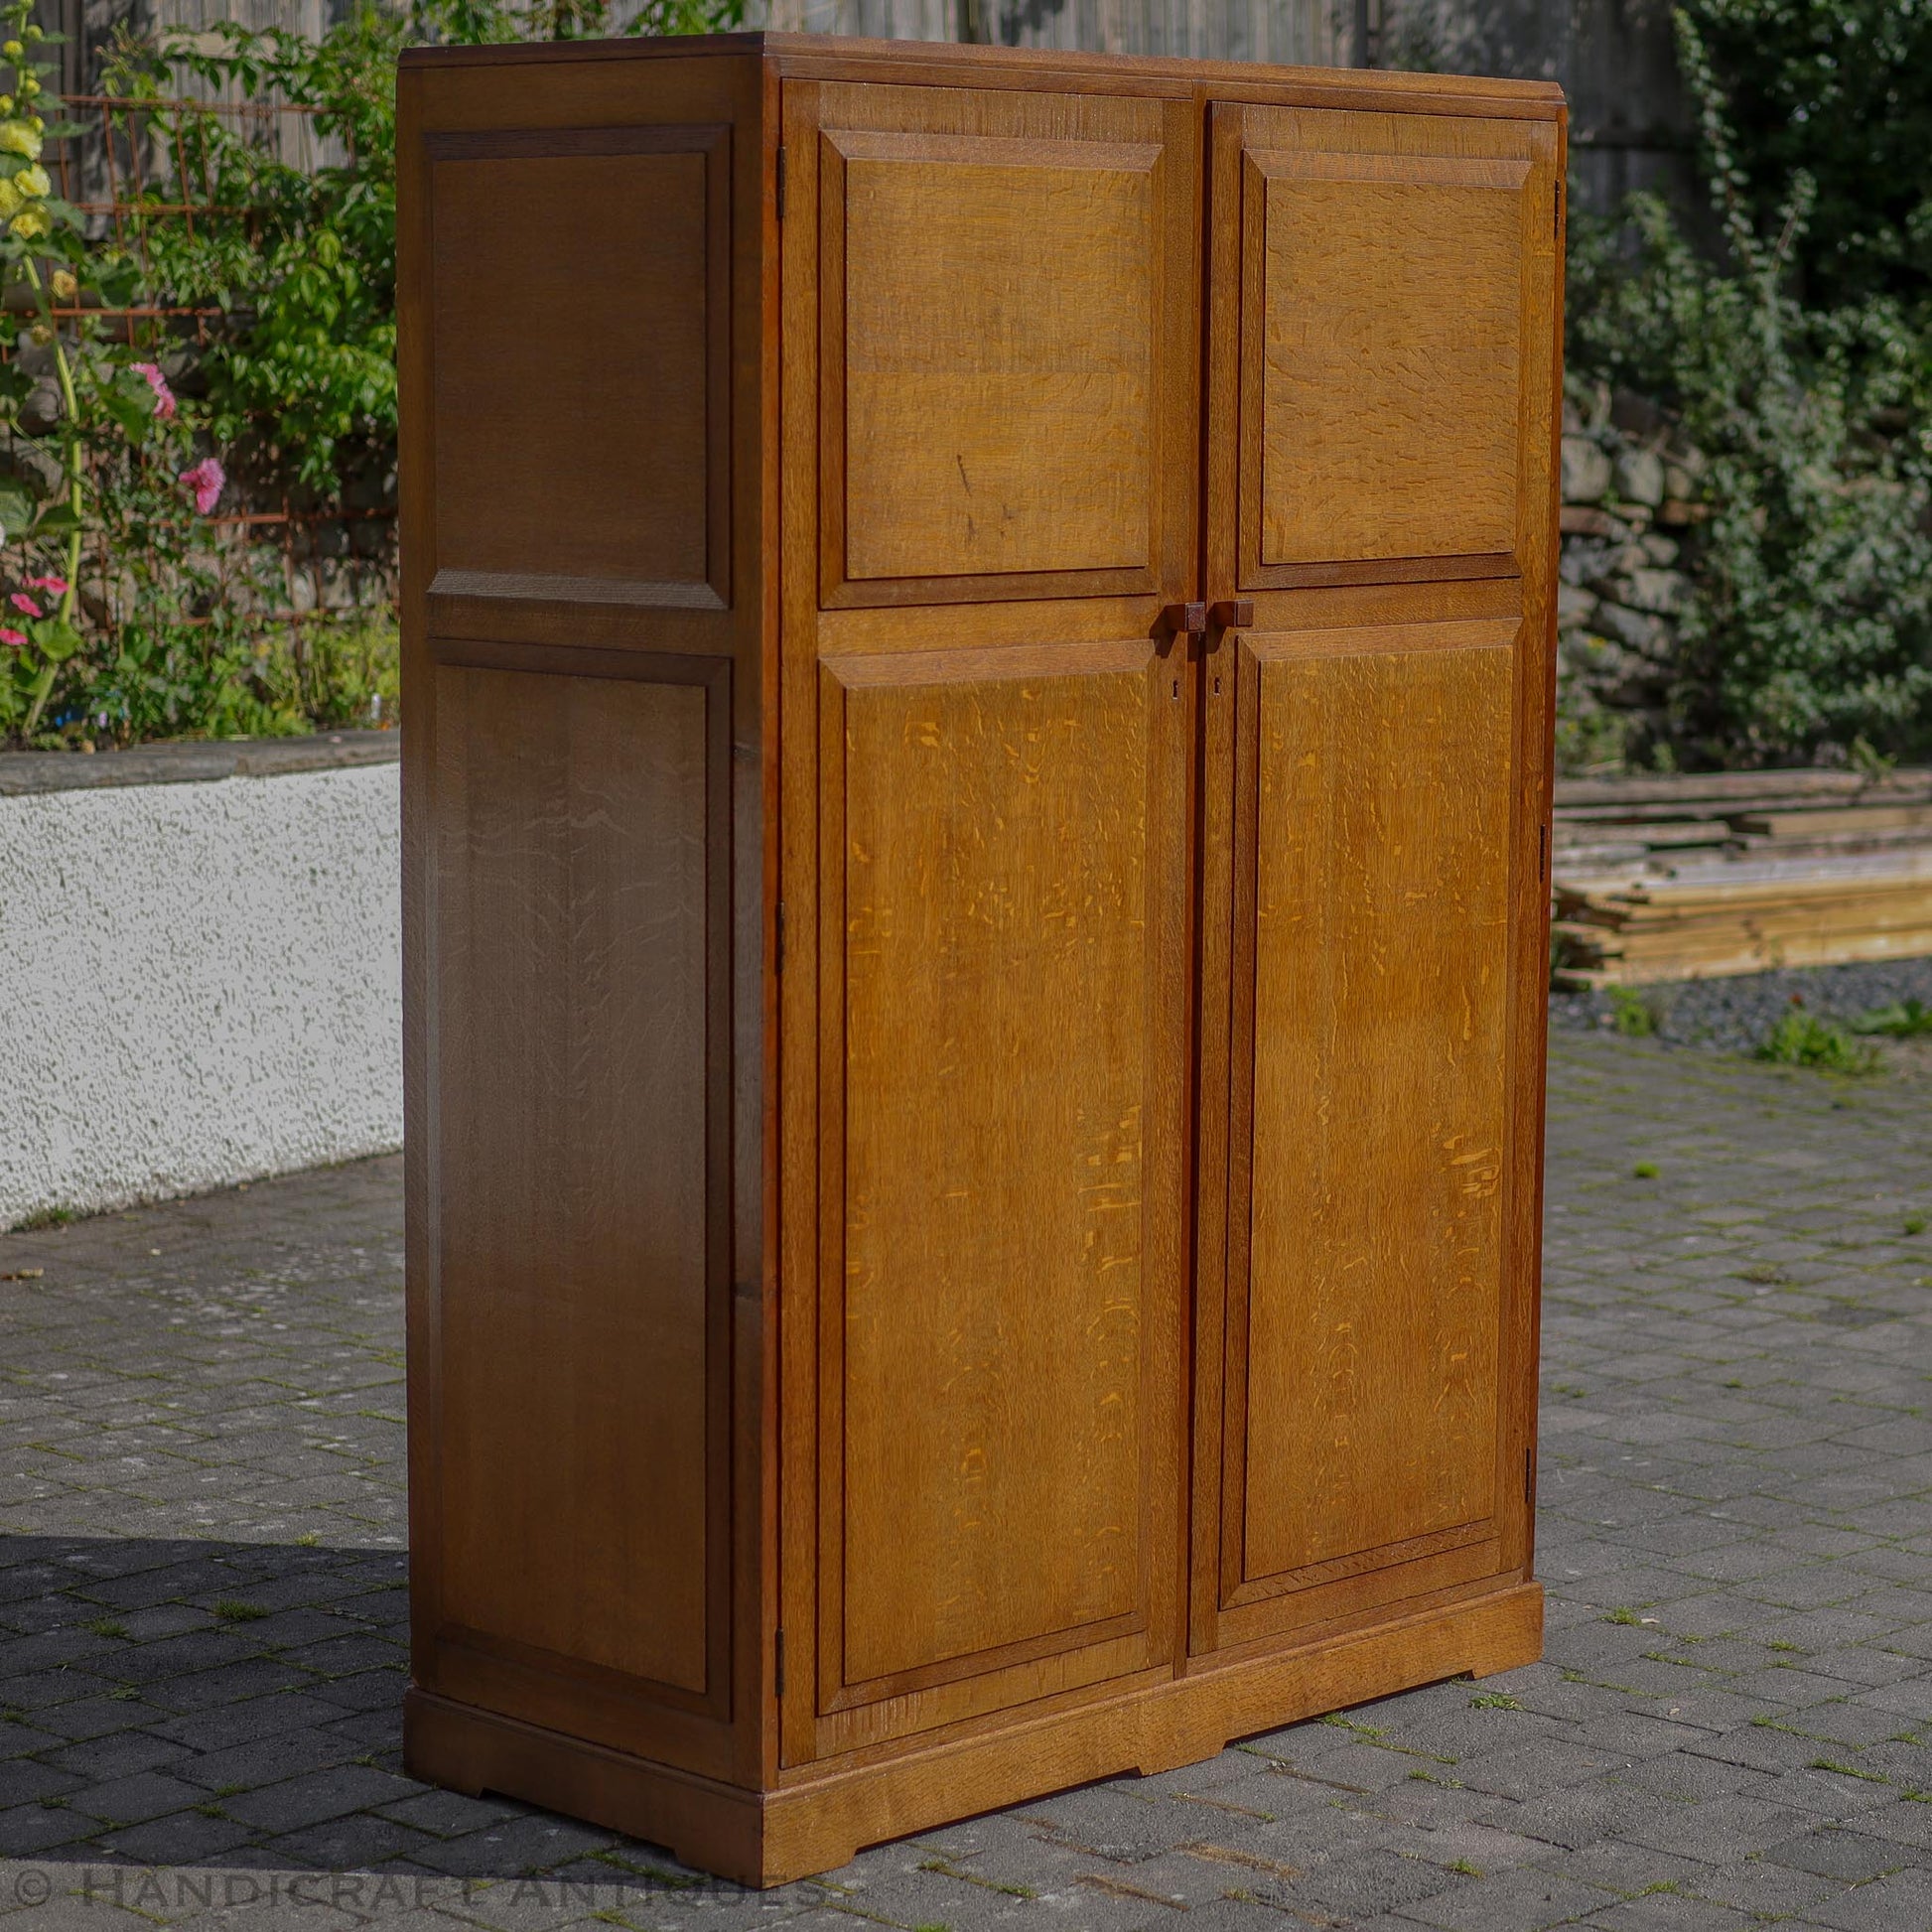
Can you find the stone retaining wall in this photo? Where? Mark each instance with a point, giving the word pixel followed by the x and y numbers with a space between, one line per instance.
pixel 1632 504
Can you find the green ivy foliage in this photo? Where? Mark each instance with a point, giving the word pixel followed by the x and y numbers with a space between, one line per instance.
pixel 1811 630
pixel 1841 91
pixel 304 380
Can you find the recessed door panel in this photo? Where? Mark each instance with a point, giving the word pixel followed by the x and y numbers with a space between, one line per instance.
pixel 1006 331
pixel 1380 951
pixel 996 1024
pixel 1385 368
pixel 1390 360
pixel 999 354
pixel 1369 1123
pixel 1002 863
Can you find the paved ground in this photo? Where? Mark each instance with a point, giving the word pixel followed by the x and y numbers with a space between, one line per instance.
pixel 201 1589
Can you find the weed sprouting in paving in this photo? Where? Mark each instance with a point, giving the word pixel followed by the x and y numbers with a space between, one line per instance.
pixel 1632 1014
pixel 1802 1038
pixel 1915 1224
pixel 947 1869
pixel 1467 1869
pixel 229 1610
pixel 42 1219
pixel 1901 1019
pixel 105 1626
pixel 1494 1701
pixel 1645 1171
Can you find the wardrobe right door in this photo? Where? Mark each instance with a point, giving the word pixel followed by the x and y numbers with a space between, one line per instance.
pixel 1381 534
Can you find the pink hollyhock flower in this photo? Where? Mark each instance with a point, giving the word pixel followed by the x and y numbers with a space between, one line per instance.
pixel 54 585
pixel 24 604
pixel 164 397
pixel 206 481
pixel 14 638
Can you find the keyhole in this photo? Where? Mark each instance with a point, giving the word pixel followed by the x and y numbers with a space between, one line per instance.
pixel 1217 687
pixel 1177 687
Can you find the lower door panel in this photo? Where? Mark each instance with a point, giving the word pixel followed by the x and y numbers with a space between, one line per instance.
pixel 1352 1340
pixel 1003 880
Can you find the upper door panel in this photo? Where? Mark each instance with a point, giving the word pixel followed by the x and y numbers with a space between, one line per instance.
pixel 1386 353
pixel 1007 343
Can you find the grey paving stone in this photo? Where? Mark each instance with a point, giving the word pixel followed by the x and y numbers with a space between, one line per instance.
pixel 1374 1881
pixel 1758 1886
pixel 316 1796
pixel 26 1830
pixel 1517 1901
pixel 133 1800
pixel 345 1842
pixel 1668 1912
pixel 179 1838
pixel 1889 1904
pixel 1834 1854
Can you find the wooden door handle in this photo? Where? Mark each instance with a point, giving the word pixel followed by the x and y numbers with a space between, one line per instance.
pixel 1177 619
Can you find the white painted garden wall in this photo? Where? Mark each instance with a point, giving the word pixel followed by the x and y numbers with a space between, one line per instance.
pixel 200 980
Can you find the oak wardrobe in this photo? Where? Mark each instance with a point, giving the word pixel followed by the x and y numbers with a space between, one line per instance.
pixel 978 675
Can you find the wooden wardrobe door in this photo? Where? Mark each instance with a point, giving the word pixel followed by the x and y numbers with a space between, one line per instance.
pixel 991 417
pixel 1374 784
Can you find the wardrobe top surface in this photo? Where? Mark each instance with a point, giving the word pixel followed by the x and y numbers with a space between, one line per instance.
pixel 827 56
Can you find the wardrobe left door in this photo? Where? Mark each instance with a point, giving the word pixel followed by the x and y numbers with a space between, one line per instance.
pixel 991 437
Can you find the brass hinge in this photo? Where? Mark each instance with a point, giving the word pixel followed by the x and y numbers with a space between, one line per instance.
pixel 1556 227
pixel 779 1665
pixel 1543 852
pixel 781 183
pixel 778 941
pixel 1529 1479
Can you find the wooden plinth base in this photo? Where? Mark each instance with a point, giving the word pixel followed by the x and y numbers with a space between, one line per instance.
pixel 818 1818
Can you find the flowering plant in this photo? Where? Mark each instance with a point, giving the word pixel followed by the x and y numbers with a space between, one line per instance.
pixel 91 425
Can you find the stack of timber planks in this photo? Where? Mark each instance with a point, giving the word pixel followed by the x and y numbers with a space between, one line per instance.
pixel 1691 876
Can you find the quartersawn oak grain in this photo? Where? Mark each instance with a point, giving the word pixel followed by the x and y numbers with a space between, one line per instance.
pixel 1378 1118
pixel 973 1156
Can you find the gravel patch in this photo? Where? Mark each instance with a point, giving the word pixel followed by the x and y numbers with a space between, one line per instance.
pixel 1736 1014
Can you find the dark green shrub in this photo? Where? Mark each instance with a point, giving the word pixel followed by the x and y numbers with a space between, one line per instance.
pixel 1810 632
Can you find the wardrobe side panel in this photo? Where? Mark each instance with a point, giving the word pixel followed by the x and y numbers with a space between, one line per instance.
pixel 582 262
